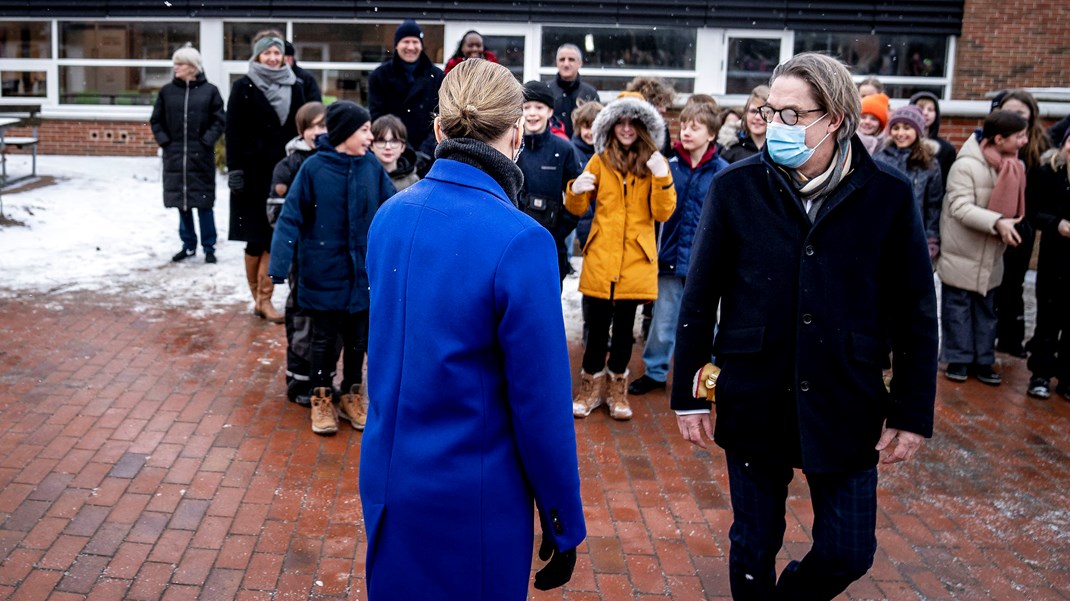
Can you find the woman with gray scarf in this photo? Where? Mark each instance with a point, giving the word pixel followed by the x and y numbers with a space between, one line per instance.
pixel 264 104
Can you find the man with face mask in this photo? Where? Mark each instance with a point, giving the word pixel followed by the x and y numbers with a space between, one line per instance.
pixel 819 263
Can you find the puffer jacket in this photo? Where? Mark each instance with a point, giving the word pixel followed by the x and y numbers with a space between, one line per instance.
pixel 928 184
pixel 186 121
pixel 620 257
pixel 971 254
pixel 692 183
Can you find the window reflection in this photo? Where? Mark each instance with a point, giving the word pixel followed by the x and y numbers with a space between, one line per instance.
pixel 660 48
pixel 29 84
pixel 117 40
pixel 357 42
pixel 238 38
pixel 750 63
pixel 26 39
pixel 509 49
pixel 881 54
pixel 112 85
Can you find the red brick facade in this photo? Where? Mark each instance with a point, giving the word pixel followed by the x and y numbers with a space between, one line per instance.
pixel 1012 45
pixel 92 138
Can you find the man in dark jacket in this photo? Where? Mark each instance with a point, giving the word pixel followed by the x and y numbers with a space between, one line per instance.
pixel 567 88
pixel 548 163
pixel 407 86
pixel 308 84
pixel 819 264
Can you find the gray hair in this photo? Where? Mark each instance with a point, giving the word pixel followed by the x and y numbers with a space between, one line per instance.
pixel 831 84
pixel 188 55
pixel 569 47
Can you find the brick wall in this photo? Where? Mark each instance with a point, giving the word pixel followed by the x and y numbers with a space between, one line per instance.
pixel 92 138
pixel 1012 45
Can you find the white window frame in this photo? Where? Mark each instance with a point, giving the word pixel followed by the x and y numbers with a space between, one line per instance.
pixel 531 32
pixel 48 65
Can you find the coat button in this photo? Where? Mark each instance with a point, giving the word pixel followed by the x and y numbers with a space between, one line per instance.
pixel 804 386
pixel 807 318
pixel 809 250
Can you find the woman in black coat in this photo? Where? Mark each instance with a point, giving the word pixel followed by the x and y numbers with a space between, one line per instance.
pixel 186 121
pixel 262 109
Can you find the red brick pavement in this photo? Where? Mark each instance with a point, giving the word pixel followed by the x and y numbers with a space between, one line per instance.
pixel 151 455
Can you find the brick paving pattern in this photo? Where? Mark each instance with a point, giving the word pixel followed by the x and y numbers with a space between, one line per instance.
pixel 152 455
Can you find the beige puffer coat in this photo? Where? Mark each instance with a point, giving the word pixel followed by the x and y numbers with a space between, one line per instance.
pixel 971 252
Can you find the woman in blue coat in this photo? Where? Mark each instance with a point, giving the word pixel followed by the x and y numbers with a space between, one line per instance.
pixel 470 425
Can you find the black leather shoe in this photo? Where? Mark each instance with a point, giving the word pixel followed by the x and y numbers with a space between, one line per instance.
pixel 183 254
pixel 985 374
pixel 957 372
pixel 644 384
pixel 209 258
pixel 1039 388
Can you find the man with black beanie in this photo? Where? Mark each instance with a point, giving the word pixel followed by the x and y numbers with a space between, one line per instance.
pixel 305 79
pixel 406 86
pixel 327 213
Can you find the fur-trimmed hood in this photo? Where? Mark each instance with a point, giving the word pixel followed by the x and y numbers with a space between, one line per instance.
pixel 632 108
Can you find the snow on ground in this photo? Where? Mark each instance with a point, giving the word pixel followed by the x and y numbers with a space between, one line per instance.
pixel 101 227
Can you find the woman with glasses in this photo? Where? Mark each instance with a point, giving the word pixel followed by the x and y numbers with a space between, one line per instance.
pixel 391 148
pixel 818 262
pixel 751 139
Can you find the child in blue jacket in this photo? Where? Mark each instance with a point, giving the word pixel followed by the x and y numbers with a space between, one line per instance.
pixel 327 213
pixel 693 167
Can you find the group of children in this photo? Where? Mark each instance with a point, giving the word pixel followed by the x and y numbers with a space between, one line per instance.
pixel 323 197
pixel 635 213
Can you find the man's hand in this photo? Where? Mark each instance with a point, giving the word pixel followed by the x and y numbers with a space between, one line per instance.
pixel 583 183
pixel 1006 231
pixel 657 164
pixel 1064 228
pixel 236 180
pixel 693 426
pixel 907 443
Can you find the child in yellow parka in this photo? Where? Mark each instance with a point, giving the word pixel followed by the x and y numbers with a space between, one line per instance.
pixel 634 188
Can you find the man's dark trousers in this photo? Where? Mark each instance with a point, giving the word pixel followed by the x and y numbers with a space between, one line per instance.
pixel 845 520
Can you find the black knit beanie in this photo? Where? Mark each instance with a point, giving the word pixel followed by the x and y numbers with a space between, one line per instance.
pixel 408 29
pixel 537 91
pixel 344 118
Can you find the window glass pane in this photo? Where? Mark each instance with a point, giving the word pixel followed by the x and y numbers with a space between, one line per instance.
pixel 26 39
pixel 112 85
pixel 357 43
pixel 117 40
pixel 23 83
pixel 661 48
pixel 339 84
pixel 881 54
pixel 608 83
pixel 238 38
pixel 906 90
pixel 750 63
pixel 509 50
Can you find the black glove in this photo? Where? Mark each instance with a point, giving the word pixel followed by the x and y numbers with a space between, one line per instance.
pixel 236 180
pixel 277 279
pixel 558 571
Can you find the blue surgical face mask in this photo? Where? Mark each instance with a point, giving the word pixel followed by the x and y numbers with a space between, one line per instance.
pixel 787 143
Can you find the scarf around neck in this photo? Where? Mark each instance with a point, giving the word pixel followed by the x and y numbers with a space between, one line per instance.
pixel 276 85
pixel 1008 195
pixel 813 191
pixel 488 160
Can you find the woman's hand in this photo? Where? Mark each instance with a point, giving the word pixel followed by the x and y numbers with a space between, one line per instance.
pixel 658 165
pixel 583 183
pixel 1006 232
pixel 1064 228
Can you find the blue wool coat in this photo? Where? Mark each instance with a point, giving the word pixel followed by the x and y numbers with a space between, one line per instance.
pixel 678 233
pixel 470 420
pixel 328 210
pixel 809 314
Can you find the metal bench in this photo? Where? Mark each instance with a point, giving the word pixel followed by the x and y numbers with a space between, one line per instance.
pixel 18 115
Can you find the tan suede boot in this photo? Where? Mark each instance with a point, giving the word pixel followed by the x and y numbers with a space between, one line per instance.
pixel 324 420
pixel 591 393
pixel 252 274
pixel 352 408
pixel 263 304
pixel 617 396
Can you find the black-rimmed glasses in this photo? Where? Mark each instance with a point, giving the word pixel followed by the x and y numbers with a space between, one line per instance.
pixel 789 116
